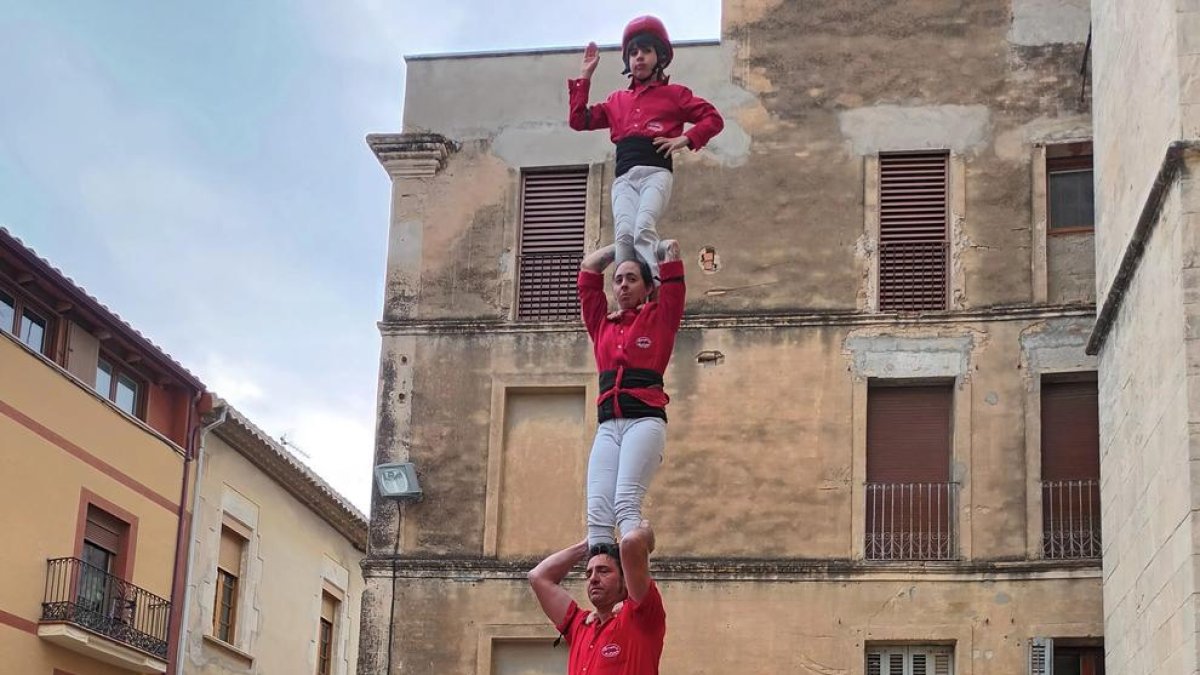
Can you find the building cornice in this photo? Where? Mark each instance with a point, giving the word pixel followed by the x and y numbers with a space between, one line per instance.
pixel 747 321
pixel 1168 172
pixel 411 155
pixel 300 481
pixel 737 570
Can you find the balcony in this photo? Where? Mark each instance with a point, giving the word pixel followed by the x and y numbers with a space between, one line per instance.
pixel 911 521
pixel 97 614
pixel 1070 519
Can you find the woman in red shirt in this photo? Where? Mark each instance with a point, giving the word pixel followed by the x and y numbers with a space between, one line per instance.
pixel 633 347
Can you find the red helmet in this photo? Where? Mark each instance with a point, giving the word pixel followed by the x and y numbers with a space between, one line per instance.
pixel 652 26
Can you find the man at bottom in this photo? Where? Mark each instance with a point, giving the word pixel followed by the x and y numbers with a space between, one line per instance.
pixel 624 634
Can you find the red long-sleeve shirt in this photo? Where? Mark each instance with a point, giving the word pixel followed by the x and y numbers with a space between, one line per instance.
pixel 640 338
pixel 650 109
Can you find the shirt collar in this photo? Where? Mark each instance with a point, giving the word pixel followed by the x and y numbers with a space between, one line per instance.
pixel 634 85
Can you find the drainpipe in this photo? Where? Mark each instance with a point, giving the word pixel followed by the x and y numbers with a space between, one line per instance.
pixel 222 412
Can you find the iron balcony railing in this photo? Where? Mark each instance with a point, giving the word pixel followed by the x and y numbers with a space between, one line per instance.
pixel 1070 519
pixel 911 521
pixel 88 597
pixel 546 289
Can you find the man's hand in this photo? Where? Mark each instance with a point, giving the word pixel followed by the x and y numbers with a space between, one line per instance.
pixel 669 146
pixel 591 59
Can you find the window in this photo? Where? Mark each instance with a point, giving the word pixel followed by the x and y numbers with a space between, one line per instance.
pixel 910 496
pixel 1048 656
pixel 1070 469
pixel 910 660
pixel 913 233
pixel 329 607
pixel 553 215
pixel 1069 189
pixel 118 384
pixel 105 540
pixel 229 571
pixel 27 324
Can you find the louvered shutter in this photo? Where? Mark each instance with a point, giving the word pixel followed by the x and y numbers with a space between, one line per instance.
pixel 885 662
pixel 104 530
pixel 920 663
pixel 553 215
pixel 1041 656
pixel 913 239
pixel 1070 431
pixel 943 663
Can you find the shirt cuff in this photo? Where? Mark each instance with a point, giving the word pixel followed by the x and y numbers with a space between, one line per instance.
pixel 671 269
pixel 578 83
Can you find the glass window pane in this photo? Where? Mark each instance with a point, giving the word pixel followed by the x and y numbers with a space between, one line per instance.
pixel 126 394
pixel 33 331
pixel 7 312
pixel 104 373
pixel 1072 202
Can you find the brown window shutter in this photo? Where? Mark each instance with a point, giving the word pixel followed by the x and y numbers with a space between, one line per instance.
pixel 913 233
pixel 1070 431
pixel 105 530
pixel 553 215
pixel 908 434
pixel 230 555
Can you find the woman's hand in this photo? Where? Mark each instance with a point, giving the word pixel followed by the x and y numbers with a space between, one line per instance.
pixel 591 59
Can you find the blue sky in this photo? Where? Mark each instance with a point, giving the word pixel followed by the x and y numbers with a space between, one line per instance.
pixel 200 168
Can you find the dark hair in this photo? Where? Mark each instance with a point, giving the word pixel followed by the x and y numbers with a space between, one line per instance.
pixel 646 40
pixel 611 550
pixel 643 269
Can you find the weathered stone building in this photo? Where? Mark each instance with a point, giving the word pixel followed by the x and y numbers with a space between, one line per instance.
pixel 1147 112
pixel 882 447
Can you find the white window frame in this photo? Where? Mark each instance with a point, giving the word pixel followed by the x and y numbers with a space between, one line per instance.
pixel 938 660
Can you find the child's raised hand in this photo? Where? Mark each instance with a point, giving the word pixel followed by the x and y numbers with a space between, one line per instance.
pixel 669 146
pixel 591 59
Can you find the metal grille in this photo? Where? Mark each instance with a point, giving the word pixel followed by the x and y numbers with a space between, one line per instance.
pixel 553 215
pixel 1071 519
pixel 913 242
pixel 911 521
pixel 88 597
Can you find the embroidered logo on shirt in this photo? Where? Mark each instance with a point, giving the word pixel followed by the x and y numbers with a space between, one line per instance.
pixel 610 651
pixel 654 127
pixel 643 342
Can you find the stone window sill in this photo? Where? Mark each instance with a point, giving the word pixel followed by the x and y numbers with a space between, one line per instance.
pixel 224 646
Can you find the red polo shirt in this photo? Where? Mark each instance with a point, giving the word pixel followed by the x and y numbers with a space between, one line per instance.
pixel 629 643
pixel 637 338
pixel 651 109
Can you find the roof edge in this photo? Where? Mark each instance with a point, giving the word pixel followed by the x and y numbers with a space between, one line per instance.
pixel 540 51
pixel 294 476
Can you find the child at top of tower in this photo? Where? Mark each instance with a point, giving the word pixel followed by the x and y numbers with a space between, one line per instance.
pixel 646 122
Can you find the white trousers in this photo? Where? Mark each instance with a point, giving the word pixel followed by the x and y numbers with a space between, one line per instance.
pixel 625 456
pixel 639 198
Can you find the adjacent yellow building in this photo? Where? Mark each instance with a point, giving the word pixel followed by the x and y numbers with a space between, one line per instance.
pixel 107 448
pixel 96 444
pixel 275 579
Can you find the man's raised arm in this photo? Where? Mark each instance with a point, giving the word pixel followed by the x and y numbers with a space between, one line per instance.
pixel 636 548
pixel 546 581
